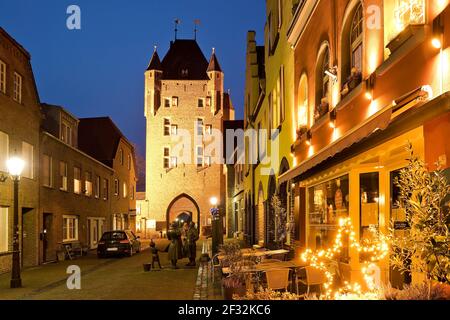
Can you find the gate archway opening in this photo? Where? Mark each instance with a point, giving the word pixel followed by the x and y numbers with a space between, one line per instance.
pixel 183 207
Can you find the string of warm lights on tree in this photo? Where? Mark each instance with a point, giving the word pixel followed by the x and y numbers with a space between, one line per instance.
pixel 376 249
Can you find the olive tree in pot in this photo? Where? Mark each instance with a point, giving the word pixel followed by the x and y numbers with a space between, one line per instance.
pixel 425 247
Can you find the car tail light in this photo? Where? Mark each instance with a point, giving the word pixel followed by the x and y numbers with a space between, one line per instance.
pixel 125 241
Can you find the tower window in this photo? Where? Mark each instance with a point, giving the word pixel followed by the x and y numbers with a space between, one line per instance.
pixel 201 103
pixel 199 152
pixel 167 103
pixel 166 163
pixel 174 101
pixel 167 127
pixel 199 126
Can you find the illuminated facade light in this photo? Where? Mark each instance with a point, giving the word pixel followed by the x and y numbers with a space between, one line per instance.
pixel 333 116
pixel 438 31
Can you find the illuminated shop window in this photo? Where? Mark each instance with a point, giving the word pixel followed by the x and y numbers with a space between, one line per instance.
pixel 327 203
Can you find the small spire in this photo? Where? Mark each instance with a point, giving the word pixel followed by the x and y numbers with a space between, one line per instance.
pixel 155 62
pixel 155 48
pixel 214 63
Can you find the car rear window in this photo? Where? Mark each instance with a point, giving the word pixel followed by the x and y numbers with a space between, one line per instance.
pixel 114 236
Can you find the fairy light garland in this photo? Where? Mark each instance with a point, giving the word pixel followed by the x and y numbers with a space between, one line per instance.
pixel 377 250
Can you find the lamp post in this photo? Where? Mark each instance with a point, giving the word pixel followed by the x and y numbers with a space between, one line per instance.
pixel 15 166
pixel 217 229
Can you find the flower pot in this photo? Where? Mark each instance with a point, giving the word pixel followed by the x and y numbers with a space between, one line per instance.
pixel 229 292
pixel 147 267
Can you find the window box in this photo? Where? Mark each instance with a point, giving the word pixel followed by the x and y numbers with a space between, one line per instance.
pixel 352 83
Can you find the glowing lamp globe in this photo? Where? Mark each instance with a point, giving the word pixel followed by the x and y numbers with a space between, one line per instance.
pixel 436 43
pixel 15 166
pixel 214 201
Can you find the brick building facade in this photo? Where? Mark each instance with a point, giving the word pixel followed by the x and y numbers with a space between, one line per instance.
pixel 19 135
pixel 184 98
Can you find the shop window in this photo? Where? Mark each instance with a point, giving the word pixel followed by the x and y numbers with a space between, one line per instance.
pixel 327 203
pixel 369 203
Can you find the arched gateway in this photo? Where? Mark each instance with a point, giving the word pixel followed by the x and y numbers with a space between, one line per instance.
pixel 183 207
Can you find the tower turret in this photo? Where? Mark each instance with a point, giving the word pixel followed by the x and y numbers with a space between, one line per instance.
pixel 153 77
pixel 215 85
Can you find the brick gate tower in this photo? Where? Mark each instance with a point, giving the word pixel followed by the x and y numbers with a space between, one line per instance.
pixel 184 101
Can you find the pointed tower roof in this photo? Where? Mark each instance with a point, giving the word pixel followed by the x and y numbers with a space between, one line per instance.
pixel 155 62
pixel 214 63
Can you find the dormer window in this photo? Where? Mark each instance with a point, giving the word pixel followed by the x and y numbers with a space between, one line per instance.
pixel 184 73
pixel 174 101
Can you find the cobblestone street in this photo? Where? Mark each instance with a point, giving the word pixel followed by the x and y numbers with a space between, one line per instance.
pixel 116 279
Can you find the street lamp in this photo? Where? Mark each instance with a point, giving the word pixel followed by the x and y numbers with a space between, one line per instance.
pixel 217 228
pixel 15 167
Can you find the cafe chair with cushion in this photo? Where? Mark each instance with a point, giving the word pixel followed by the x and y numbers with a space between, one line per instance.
pixel 277 279
pixel 314 277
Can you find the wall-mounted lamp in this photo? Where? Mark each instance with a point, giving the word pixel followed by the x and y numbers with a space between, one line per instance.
pixel 333 116
pixel 370 85
pixel 438 32
pixel 309 137
pixel 332 73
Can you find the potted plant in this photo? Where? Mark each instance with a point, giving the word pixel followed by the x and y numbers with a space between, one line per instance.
pixel 235 283
pixel 424 247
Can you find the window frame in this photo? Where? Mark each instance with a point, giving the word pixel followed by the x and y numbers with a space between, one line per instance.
pixel 63 178
pixel 66 227
pixel 47 180
pixel 166 157
pixel 29 161
pixel 77 182
pixel 167 127
pixel 3 77
pixel 18 87
pixel 201 156
pixel 356 43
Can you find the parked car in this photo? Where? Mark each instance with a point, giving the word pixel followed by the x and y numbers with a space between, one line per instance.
pixel 118 242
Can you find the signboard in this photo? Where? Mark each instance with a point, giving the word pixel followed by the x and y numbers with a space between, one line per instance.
pixel 401 225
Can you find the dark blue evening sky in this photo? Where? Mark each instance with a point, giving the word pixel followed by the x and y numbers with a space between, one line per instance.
pixel 99 70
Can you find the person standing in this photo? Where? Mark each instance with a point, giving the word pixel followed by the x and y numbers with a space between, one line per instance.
pixel 175 250
pixel 191 239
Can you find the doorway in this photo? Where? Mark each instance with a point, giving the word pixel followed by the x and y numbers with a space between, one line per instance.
pixel 47 237
pixel 95 231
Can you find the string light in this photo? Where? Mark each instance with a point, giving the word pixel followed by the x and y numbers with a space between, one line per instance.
pixel 377 250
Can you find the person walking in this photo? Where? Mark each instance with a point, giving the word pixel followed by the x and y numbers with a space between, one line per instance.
pixel 175 250
pixel 191 239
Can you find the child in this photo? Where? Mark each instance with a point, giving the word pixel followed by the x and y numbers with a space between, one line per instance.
pixel 155 256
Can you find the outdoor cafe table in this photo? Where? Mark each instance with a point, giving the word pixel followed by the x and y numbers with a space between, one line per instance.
pixel 258 254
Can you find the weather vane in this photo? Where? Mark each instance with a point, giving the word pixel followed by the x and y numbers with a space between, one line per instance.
pixel 196 24
pixel 177 22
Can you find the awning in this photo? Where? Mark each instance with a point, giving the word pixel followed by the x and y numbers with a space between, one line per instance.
pixel 379 121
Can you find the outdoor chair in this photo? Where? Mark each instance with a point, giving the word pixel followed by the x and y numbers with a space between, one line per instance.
pixel 314 277
pixel 278 279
